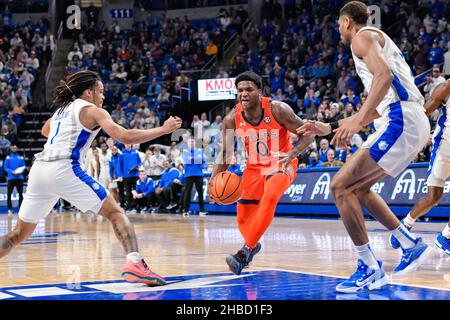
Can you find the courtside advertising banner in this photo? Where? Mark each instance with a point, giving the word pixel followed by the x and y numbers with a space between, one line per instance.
pixel 216 89
pixel 312 187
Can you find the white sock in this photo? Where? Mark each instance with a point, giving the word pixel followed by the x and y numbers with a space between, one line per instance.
pixel 409 221
pixel 406 239
pixel 446 232
pixel 134 257
pixel 366 254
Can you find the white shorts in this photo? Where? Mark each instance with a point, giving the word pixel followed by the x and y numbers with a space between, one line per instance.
pixel 439 168
pixel 399 137
pixel 49 181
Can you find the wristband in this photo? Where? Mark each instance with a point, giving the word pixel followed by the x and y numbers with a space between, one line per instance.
pixel 334 125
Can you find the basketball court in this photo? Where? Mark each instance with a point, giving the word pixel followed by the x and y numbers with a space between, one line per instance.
pixel 75 256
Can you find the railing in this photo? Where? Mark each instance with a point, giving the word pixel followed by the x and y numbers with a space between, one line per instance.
pixel 50 64
pixel 421 79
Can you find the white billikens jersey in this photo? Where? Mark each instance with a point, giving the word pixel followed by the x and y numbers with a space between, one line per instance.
pixel 68 138
pixel 403 87
pixel 104 162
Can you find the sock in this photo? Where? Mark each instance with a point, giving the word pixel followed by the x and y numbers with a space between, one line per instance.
pixel 409 221
pixel 406 239
pixel 366 254
pixel 446 232
pixel 134 257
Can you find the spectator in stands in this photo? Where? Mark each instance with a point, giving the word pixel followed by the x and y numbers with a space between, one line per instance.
pixel 4 146
pixel 164 190
pixel 130 171
pixel 215 129
pixel 200 125
pixel 324 147
pixel 193 161
pixel 151 120
pixel 351 98
pixel 8 135
pixel 211 48
pixel 313 161
pixel 154 89
pixel 144 192
pixel 75 52
pixel 14 166
pixel 331 160
pixel 446 69
pixel 435 79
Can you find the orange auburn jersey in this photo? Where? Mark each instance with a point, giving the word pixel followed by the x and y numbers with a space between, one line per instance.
pixel 264 139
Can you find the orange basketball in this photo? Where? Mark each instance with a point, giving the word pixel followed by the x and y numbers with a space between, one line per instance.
pixel 226 188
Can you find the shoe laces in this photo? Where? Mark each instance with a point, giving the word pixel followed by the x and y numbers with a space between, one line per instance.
pixel 360 271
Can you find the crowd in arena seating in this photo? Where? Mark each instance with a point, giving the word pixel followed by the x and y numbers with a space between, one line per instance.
pixel 305 64
pixel 24 49
pixel 144 68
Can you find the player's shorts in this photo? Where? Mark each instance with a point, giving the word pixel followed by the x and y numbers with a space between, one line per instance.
pixel 399 136
pixel 49 181
pixel 253 180
pixel 439 168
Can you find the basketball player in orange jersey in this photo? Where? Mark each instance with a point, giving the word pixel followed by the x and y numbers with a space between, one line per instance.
pixel 264 126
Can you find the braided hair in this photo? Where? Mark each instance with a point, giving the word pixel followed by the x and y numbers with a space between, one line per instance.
pixel 74 87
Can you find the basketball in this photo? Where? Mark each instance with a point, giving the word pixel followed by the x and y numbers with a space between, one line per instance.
pixel 226 188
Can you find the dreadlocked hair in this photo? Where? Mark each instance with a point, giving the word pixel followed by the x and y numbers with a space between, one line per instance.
pixel 73 88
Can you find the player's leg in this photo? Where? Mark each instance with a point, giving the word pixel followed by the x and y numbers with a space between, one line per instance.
pixel 13 238
pixel 271 189
pixel 358 174
pixel 38 202
pixel 89 195
pixel 135 270
pixel 274 188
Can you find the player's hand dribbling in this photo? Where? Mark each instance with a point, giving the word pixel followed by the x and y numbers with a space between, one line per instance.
pixel 172 124
pixel 312 128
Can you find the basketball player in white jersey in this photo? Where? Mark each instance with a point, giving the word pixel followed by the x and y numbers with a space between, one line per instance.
pixel 104 157
pixel 56 172
pixel 439 168
pixel 402 129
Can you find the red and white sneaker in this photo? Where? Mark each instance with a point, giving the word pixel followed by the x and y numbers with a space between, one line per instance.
pixel 140 272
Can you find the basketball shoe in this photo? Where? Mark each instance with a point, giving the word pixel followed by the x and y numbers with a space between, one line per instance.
pixel 140 272
pixel 413 257
pixel 238 261
pixel 393 239
pixel 443 243
pixel 364 279
pixel 255 251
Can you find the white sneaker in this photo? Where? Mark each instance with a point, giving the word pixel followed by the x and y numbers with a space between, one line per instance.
pixel 185 214
pixel 10 213
pixel 203 213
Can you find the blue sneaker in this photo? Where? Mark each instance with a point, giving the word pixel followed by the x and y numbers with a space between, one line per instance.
pixel 393 239
pixel 364 279
pixel 413 257
pixel 443 243
pixel 238 261
pixel 255 250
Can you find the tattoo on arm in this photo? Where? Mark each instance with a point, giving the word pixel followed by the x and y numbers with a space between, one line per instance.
pixel 285 116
